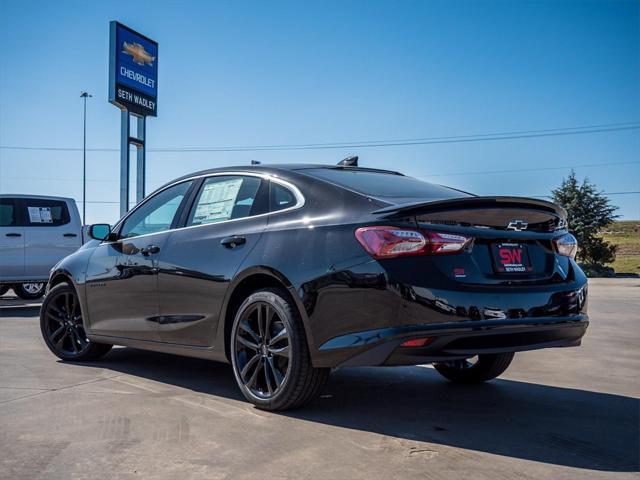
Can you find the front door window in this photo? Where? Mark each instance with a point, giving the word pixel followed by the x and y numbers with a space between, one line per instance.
pixel 157 214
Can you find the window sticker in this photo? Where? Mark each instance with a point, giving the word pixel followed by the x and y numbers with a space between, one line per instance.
pixel 217 201
pixel 40 215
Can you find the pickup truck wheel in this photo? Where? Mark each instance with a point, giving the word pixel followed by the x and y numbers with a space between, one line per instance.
pixel 29 291
pixel 63 329
pixel 476 369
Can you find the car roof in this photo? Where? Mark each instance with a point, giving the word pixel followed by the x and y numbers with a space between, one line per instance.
pixel 276 168
pixel 37 197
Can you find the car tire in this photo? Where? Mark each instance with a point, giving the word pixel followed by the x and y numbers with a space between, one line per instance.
pixel 268 345
pixel 62 327
pixel 487 367
pixel 30 290
pixel 4 289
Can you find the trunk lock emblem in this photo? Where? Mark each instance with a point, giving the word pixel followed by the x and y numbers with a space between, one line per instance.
pixel 517 225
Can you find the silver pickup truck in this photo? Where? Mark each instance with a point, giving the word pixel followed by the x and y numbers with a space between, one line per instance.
pixel 35 233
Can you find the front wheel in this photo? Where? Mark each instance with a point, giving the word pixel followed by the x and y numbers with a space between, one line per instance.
pixel 29 291
pixel 476 369
pixel 270 355
pixel 62 327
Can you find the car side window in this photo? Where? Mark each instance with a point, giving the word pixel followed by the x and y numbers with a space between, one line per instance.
pixel 45 213
pixel 157 213
pixel 8 212
pixel 281 197
pixel 225 198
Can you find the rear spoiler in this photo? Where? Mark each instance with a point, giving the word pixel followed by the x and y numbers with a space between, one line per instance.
pixel 415 208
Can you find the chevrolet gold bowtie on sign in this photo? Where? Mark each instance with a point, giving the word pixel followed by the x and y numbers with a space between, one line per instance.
pixel 138 53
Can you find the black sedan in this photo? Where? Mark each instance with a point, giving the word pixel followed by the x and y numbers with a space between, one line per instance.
pixel 288 271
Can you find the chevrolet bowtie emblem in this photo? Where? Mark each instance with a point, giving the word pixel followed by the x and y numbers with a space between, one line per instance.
pixel 517 225
pixel 138 53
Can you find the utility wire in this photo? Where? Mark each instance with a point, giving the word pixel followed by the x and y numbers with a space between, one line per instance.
pixel 452 174
pixel 537 169
pixel 420 141
pixel 512 135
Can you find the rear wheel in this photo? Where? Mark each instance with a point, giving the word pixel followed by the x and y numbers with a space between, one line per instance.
pixel 270 355
pixel 62 327
pixel 476 369
pixel 29 291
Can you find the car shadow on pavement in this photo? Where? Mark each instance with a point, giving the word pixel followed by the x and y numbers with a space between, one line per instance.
pixel 542 423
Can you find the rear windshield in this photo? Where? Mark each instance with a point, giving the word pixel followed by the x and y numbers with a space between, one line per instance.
pixel 380 184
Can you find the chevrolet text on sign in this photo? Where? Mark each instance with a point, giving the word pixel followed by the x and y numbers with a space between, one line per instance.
pixel 133 71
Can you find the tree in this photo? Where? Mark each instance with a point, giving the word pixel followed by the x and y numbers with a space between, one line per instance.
pixel 589 211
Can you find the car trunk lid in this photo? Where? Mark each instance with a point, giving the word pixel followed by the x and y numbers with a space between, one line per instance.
pixel 496 213
pixel 512 237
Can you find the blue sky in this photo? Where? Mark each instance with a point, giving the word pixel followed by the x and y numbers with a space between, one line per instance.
pixel 256 73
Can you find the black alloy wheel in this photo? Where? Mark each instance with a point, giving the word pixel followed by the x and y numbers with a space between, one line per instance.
pixel 262 350
pixel 269 353
pixel 63 329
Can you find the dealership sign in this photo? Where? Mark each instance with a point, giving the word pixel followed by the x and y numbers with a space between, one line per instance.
pixel 133 71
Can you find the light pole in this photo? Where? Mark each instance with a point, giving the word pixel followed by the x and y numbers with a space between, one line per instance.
pixel 84 96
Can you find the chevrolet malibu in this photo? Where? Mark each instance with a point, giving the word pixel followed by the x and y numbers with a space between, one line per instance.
pixel 289 271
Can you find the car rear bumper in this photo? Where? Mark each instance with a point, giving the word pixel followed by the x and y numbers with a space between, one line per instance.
pixel 449 341
pixel 361 315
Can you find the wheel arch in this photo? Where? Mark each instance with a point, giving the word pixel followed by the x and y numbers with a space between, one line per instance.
pixel 61 276
pixel 248 281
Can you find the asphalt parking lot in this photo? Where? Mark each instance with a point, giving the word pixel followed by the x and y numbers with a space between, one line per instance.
pixel 563 413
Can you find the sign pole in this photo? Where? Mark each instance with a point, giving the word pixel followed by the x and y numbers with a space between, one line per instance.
pixel 124 162
pixel 141 165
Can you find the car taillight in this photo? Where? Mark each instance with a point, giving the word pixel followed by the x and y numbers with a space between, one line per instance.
pixel 388 242
pixel 566 245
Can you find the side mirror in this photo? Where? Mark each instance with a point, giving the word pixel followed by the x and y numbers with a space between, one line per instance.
pixel 100 231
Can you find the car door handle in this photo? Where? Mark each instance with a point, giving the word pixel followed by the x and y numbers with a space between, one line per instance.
pixel 233 241
pixel 70 235
pixel 11 234
pixel 149 249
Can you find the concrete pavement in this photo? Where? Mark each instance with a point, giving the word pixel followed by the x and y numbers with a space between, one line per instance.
pixel 558 414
